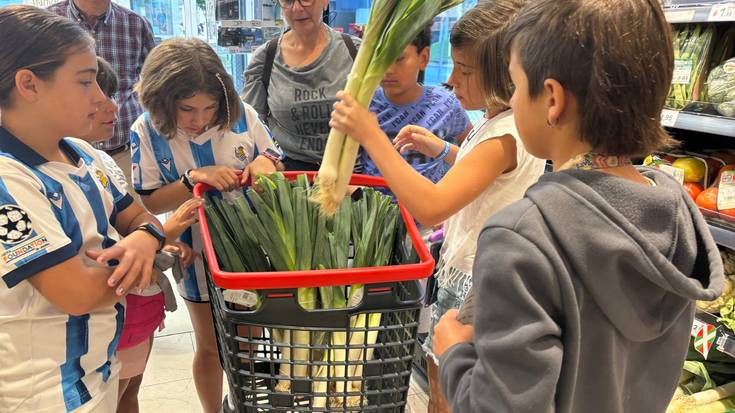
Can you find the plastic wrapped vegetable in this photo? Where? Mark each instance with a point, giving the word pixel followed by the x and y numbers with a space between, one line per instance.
pixel 721 88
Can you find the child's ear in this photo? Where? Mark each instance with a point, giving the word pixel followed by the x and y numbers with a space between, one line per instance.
pixel 424 57
pixel 26 85
pixel 555 98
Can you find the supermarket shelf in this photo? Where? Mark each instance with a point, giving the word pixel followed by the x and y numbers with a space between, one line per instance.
pixel 250 24
pixel 724 237
pixel 724 340
pixel 716 125
pixel 700 12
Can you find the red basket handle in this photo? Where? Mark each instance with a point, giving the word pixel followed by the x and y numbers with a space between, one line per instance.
pixel 318 278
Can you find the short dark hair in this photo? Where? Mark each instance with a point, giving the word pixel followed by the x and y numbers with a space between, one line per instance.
pixel 107 77
pixel 423 39
pixel 481 32
pixel 614 56
pixel 178 69
pixel 37 40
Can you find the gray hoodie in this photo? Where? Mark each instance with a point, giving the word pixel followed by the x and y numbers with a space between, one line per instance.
pixel 587 288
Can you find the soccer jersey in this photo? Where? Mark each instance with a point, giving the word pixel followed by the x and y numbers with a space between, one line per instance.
pixel 50 212
pixel 158 161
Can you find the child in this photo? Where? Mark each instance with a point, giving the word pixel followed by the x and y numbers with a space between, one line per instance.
pixel 402 101
pixel 144 311
pixel 491 169
pixel 61 216
pixel 196 130
pixel 588 284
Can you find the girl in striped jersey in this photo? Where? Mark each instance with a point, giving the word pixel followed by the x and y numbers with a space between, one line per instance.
pixel 72 241
pixel 145 310
pixel 195 129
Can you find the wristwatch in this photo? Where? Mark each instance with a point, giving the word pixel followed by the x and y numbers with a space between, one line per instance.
pixel 187 181
pixel 155 232
pixel 275 157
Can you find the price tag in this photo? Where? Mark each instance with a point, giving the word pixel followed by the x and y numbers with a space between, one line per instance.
pixel 682 72
pixel 679 16
pixel 669 117
pixel 722 12
pixel 726 191
pixel 245 298
pixel 677 173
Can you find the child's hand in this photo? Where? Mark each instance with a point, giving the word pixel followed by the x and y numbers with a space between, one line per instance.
pixel 351 118
pixel 449 332
pixel 135 254
pixel 222 178
pixel 186 254
pixel 184 217
pixel 416 138
pixel 260 165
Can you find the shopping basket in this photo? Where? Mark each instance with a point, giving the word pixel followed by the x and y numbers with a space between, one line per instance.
pixel 362 373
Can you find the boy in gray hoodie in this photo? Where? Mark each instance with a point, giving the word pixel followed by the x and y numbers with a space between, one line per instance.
pixel 585 289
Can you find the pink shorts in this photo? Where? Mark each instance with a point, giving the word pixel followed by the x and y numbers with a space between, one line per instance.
pixel 143 315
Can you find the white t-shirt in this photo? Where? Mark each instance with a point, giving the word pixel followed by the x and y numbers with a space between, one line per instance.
pixel 463 228
pixel 157 161
pixel 50 212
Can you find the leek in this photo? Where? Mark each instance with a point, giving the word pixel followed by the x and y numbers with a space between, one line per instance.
pixel 392 25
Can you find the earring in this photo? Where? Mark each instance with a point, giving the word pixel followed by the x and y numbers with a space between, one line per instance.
pixel 548 123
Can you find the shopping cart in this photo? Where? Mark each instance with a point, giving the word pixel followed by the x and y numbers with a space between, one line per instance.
pixel 361 373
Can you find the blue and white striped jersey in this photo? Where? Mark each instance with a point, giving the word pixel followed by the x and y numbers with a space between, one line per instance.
pixel 157 161
pixel 50 212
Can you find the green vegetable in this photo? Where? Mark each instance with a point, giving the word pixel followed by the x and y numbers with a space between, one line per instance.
pixel 691 48
pixel 391 27
pixel 284 231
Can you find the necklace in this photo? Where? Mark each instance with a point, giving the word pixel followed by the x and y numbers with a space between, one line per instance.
pixel 592 160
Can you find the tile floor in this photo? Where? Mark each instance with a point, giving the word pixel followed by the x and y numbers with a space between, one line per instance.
pixel 168 386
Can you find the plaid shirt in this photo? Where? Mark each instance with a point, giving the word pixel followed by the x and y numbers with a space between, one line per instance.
pixel 124 38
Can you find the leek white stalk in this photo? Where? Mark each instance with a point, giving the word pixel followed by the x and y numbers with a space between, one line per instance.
pixel 392 25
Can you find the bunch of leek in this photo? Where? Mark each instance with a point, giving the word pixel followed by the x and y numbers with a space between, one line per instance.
pixel 283 231
pixel 392 25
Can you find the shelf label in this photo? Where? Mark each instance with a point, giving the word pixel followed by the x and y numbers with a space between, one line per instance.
pixel 704 339
pixel 669 117
pixel 682 72
pixel 679 16
pixel 722 13
pixel 677 173
pixel 696 327
pixel 726 191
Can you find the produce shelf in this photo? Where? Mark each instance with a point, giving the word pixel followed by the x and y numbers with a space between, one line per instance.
pixel 724 339
pixel 250 24
pixel 698 122
pixel 723 236
pixel 688 11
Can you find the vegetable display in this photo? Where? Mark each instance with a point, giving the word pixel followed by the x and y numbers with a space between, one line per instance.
pixel 692 44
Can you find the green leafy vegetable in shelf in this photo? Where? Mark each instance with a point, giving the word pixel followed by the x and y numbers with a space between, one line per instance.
pixel 727 314
pixel 721 88
pixel 692 44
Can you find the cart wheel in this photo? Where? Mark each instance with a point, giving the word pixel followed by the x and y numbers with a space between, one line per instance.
pixel 226 407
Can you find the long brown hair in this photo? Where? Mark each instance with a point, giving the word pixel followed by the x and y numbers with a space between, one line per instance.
pixel 178 69
pixel 37 40
pixel 480 32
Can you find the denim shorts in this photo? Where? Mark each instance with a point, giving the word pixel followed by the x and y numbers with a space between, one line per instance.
pixel 446 299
